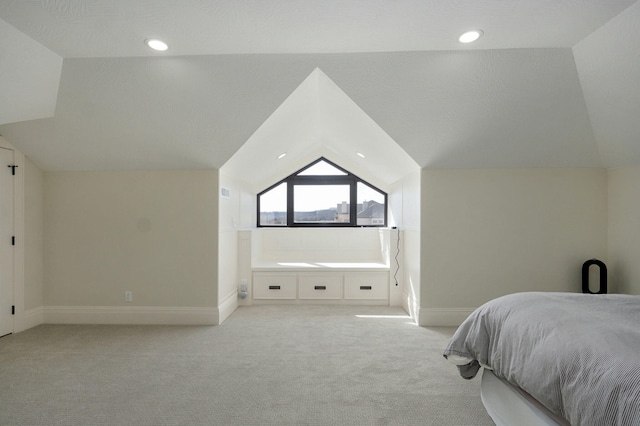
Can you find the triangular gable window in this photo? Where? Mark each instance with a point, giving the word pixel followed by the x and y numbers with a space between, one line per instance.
pixel 321 168
pixel 322 194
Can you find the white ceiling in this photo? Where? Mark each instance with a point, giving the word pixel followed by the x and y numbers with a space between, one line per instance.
pixel 551 84
pixel 116 28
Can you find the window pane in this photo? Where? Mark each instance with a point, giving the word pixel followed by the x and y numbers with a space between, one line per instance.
pixel 321 203
pixel 371 206
pixel 322 168
pixel 273 206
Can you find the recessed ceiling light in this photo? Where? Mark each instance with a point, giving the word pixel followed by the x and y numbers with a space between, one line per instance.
pixel 470 36
pixel 156 44
pixel 282 155
pixel 360 154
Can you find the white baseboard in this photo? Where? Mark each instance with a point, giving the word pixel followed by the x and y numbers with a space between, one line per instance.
pixel 227 306
pixel 32 317
pixel 130 315
pixel 443 317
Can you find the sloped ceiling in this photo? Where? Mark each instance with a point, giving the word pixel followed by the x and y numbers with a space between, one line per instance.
pixel 514 99
pixel 26 67
pixel 608 62
pixel 319 120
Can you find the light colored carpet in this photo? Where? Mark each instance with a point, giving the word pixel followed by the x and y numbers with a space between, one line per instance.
pixel 265 365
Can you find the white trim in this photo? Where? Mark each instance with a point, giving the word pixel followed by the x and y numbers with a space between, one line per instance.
pixel 443 317
pixel 18 253
pixel 130 315
pixel 227 306
pixel 32 318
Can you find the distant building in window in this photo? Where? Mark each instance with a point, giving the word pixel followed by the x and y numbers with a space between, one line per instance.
pixel 371 213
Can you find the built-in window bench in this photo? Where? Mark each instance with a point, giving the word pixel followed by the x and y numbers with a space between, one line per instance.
pixel 343 266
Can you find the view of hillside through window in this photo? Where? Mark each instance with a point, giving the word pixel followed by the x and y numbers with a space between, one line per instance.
pixel 320 203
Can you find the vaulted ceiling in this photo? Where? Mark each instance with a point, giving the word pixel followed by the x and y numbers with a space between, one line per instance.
pixel 552 83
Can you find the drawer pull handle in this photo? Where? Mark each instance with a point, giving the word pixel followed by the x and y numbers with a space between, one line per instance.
pixel 320 287
pixel 365 287
pixel 274 287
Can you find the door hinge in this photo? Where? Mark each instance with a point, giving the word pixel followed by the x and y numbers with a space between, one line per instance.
pixel 13 309
pixel 13 241
pixel 13 168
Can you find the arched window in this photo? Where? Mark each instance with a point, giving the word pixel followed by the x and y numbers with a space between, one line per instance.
pixel 322 194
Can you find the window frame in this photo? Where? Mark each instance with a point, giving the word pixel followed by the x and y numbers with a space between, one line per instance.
pixel 347 179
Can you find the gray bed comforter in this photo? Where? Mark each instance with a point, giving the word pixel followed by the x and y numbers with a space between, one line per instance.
pixel 578 354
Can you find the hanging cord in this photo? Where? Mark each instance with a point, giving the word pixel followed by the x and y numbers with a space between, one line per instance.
pixel 395 274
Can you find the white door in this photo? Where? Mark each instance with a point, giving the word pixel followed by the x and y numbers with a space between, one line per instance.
pixel 6 244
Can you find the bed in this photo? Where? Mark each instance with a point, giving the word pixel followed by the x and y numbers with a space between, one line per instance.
pixel 562 358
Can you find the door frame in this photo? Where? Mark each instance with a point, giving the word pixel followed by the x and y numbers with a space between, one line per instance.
pixel 18 229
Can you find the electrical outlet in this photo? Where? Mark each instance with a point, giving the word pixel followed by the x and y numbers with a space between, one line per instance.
pixel 128 296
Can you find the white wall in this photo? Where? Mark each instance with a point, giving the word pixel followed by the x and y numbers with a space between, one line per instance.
pixel 481 234
pixel 320 245
pixel 404 205
pixel 154 233
pixel 486 233
pixel 624 230
pixel 230 221
pixel 248 220
pixel 33 229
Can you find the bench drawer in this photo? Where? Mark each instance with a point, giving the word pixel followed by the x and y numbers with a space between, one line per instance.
pixel 318 286
pixel 371 286
pixel 274 286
